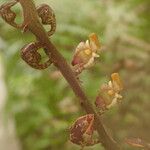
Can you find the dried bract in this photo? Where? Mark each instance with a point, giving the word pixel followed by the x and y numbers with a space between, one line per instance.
pixel 7 14
pixel 47 16
pixel 29 53
pixel 81 131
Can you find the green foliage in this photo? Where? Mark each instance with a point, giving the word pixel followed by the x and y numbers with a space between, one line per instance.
pixel 43 104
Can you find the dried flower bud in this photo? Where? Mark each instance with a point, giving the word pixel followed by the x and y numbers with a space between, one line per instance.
pixel 29 53
pixel 47 16
pixel 82 130
pixel 85 53
pixel 7 14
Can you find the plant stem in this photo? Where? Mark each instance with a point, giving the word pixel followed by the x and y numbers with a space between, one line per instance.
pixel 32 22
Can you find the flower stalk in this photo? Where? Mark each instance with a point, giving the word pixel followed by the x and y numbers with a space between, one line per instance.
pixel 31 23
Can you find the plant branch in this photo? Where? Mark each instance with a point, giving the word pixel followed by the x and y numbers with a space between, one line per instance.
pixel 32 22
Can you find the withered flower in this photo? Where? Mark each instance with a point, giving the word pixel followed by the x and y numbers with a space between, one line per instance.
pixel 109 94
pixel 85 53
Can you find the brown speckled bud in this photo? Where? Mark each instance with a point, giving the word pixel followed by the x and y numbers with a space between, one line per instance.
pixel 47 16
pixel 82 130
pixel 29 53
pixel 7 14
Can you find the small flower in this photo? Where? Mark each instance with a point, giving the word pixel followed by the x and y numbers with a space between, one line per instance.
pixel 82 130
pixel 110 93
pixel 85 53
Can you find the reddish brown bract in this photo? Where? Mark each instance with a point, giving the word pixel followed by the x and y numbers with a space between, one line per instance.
pixel 7 14
pixel 82 130
pixel 47 16
pixel 29 53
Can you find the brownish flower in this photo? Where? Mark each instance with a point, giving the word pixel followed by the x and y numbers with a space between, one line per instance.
pixel 109 94
pixel 85 53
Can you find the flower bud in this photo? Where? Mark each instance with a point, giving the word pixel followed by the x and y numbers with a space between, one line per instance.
pixel 7 14
pixel 82 130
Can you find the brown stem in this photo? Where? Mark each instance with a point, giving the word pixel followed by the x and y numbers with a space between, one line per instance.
pixel 32 22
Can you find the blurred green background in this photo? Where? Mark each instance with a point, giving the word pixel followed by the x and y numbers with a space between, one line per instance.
pixel 41 102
